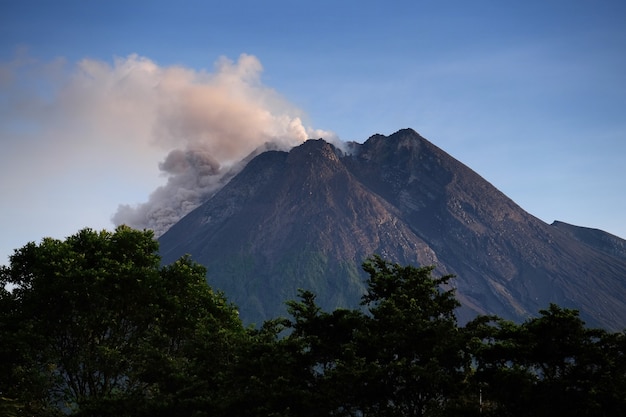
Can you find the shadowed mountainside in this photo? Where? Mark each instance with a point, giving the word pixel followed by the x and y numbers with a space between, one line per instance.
pixel 309 217
pixel 597 239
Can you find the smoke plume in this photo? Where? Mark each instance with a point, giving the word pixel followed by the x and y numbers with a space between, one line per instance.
pixel 105 125
pixel 214 120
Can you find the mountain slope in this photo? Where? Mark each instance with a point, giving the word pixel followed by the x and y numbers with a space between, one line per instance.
pixel 287 221
pixel 309 217
pixel 597 239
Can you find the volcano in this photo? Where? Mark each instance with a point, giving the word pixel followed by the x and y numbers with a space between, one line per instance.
pixel 308 218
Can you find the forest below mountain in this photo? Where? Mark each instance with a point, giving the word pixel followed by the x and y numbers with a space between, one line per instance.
pixel 94 325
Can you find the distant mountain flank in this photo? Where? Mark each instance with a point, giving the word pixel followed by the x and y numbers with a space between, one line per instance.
pixel 595 238
pixel 309 217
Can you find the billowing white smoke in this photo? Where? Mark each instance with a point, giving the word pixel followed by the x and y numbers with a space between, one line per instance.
pixel 214 120
pixel 92 132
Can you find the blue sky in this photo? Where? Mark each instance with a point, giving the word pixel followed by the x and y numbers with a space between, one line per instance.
pixel 102 102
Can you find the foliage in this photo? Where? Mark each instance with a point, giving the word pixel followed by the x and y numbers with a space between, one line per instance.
pixel 401 357
pixel 412 340
pixel 94 322
pixel 551 365
pixel 94 325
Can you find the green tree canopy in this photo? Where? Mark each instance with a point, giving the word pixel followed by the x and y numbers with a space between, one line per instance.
pixel 93 325
pixel 413 347
pixel 400 356
pixel 94 319
pixel 550 365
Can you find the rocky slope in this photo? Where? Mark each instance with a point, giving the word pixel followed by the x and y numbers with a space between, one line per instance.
pixel 309 217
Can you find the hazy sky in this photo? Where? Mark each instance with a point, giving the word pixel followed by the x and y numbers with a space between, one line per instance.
pixel 132 110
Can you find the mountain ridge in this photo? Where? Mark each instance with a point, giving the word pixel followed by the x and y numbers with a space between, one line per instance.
pixel 301 219
pixel 596 238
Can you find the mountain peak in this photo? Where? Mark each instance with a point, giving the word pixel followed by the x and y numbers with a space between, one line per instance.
pixel 310 150
pixel 406 132
pixel 309 218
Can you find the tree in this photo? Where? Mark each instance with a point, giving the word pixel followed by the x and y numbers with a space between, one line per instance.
pixel 499 375
pixel 280 369
pixel 572 364
pixel 403 356
pixel 413 347
pixel 95 323
pixel 329 345
pixel 551 365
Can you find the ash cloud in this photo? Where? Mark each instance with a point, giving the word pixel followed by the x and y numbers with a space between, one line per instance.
pixel 193 175
pixel 216 119
pixel 98 131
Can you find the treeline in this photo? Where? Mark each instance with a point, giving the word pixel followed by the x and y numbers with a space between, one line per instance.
pixel 94 326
